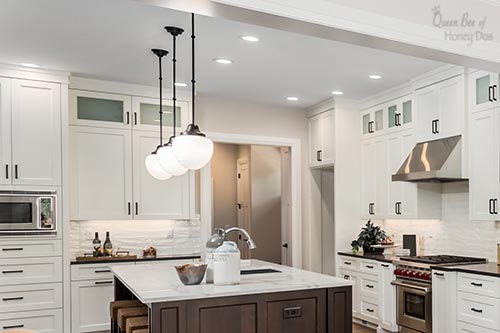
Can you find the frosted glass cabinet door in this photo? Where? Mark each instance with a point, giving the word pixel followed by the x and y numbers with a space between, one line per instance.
pixel 153 198
pixel 90 108
pixel 5 136
pixel 146 114
pixel 393 115
pixel 100 173
pixel 484 90
pixel 36 132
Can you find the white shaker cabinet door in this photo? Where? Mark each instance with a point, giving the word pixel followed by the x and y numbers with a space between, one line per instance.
pixel 327 138
pixel 387 298
pixel 427 110
pixel 5 134
pixel 101 173
pixel 451 107
pixel 36 132
pixel 444 301
pixel 367 178
pixel 315 140
pixel 153 198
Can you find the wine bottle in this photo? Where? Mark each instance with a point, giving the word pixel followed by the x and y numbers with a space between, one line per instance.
pixel 108 247
pixel 96 243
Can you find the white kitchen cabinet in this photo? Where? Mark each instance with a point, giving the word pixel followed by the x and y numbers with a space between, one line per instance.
pixel 146 116
pixel 5 132
pixel 440 109
pixel 353 276
pixel 90 305
pixel 101 173
pixel 30 271
pixel 372 121
pixel 484 90
pixel 35 133
pixel 484 165
pixel 387 297
pixel 321 139
pixel 399 113
pixel 30 297
pixel 374 177
pixel 154 199
pixel 444 301
pixel 43 321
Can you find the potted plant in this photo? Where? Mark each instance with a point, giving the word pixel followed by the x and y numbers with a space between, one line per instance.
pixel 370 235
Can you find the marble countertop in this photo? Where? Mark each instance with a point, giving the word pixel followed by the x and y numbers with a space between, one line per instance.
pixel 372 256
pixel 489 269
pixel 159 282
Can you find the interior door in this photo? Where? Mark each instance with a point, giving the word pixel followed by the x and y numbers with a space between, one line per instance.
pixel 286 208
pixel 243 197
pixel 5 134
pixel 153 198
pixel 101 173
pixel 36 133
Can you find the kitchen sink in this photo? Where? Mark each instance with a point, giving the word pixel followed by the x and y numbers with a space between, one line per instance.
pixel 250 271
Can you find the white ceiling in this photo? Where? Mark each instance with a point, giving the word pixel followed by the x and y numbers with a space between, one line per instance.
pixel 112 39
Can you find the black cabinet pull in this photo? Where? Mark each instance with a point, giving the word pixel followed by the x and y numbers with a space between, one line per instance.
pixel 347 277
pixel 135 118
pixel 369 266
pixel 437 126
pixel 129 208
pixel 6 171
pixel 347 263
pixel 490 93
pixel 439 274
pixel 494 91
pixel 319 156
pixel 370 310
pixel 102 271
pixel 495 201
pixel 136 208
pixel 369 286
pixel 128 118
pixel 490 206
pixel 13 272
pixel 385 265
pixel 103 282
pixel 476 284
pixel 16 173
pixel 13 326
pixel 476 310
pixel 397 119
pixel 6 299
pixel 13 249
pixel 432 127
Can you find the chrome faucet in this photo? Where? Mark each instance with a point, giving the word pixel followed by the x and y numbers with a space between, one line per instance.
pixel 246 236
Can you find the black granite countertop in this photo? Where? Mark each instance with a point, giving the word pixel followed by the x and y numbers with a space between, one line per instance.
pixel 138 259
pixel 373 256
pixel 489 269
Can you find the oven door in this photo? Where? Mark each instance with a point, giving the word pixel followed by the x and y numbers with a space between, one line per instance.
pixel 414 305
pixel 19 213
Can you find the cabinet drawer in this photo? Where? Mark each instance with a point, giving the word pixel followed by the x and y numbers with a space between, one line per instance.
pixel 292 316
pixel 30 271
pixel 478 310
pixel 30 297
pixel 369 310
pixel 91 272
pixel 349 263
pixel 46 321
pixel 479 284
pixel 369 266
pixel 468 328
pixel 368 285
pixel 31 248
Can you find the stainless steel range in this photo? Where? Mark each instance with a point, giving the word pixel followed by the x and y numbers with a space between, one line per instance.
pixel 414 289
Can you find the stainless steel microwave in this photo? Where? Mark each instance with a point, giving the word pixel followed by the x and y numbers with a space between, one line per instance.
pixel 24 212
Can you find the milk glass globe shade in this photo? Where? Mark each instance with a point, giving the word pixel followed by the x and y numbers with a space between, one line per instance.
pixel 193 151
pixel 169 162
pixel 154 168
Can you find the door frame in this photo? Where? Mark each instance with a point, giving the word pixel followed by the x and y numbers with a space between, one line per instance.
pixel 206 198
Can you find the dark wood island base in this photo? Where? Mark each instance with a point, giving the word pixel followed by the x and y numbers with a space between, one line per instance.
pixel 327 310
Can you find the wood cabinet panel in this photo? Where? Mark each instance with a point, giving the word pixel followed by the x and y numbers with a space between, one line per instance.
pixel 293 316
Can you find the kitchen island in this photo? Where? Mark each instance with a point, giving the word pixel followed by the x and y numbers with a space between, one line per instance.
pixel 290 300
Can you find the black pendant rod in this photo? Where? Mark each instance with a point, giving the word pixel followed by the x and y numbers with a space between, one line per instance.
pixel 160 54
pixel 193 81
pixel 174 96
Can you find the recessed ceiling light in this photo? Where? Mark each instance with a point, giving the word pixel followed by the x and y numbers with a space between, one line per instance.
pixel 223 61
pixel 291 98
pixel 337 92
pixel 26 64
pixel 252 39
pixel 180 84
pixel 375 77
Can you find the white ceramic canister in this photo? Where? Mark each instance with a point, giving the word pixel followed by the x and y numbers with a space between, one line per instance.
pixel 209 278
pixel 227 264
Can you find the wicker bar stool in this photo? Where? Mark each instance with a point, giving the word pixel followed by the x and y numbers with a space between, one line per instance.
pixel 127 313
pixel 136 323
pixel 113 311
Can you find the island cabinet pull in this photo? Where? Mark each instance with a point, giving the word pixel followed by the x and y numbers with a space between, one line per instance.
pixel 102 271
pixel 370 310
pixel 292 312
pixel 13 326
pixel 6 299
pixel 13 249
pixel 13 272
pixel 103 282
pixel 476 284
pixel 369 286
pixel 476 310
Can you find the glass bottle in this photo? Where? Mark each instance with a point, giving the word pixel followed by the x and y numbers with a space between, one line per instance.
pixel 96 244
pixel 108 247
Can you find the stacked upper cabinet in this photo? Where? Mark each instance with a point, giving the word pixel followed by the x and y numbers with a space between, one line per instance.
pixel 111 134
pixel 484 183
pixel 321 139
pixel 30 138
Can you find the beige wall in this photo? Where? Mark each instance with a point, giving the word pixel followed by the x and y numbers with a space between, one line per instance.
pixel 265 168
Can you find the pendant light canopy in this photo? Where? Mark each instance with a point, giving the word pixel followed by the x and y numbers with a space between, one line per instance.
pixel 192 148
pixel 152 161
pixel 166 155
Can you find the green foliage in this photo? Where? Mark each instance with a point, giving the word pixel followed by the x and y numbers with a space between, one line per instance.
pixel 370 235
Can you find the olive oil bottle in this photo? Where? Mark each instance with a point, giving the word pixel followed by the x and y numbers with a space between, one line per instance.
pixel 108 247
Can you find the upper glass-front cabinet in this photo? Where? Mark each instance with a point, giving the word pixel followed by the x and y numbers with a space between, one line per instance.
pixel 97 109
pixel 387 117
pixel 399 113
pixel 372 121
pixel 484 90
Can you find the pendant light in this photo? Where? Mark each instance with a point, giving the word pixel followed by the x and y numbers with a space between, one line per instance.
pixel 152 162
pixel 166 156
pixel 192 148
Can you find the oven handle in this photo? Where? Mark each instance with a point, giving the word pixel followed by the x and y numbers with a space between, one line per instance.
pixel 411 286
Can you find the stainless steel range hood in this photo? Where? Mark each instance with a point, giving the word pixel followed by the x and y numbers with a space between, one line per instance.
pixel 433 161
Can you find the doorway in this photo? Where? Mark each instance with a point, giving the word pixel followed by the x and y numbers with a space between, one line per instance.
pixel 250 189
